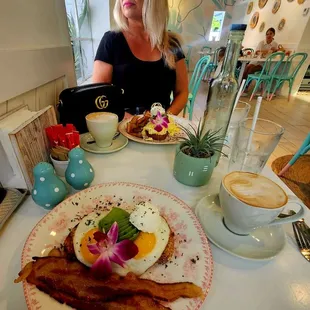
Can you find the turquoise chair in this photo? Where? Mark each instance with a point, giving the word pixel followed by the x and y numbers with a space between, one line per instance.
pixel 198 75
pixel 264 77
pixel 287 75
pixel 188 56
pixel 206 48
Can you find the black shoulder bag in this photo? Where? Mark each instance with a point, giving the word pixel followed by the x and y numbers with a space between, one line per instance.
pixel 75 103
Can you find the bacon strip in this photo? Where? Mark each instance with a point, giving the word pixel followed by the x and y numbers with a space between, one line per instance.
pixel 60 277
pixel 136 124
pixel 125 303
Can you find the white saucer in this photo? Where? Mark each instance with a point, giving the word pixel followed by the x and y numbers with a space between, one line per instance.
pixel 117 144
pixel 262 244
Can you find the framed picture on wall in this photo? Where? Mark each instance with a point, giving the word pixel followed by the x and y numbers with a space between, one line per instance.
pixel 281 24
pixel 254 20
pixel 276 6
pixel 262 27
pixel 250 8
pixel 262 3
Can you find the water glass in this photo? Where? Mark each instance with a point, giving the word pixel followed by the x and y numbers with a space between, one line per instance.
pixel 252 148
pixel 239 114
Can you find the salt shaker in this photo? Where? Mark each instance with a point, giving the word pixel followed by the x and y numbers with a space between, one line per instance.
pixel 79 173
pixel 48 189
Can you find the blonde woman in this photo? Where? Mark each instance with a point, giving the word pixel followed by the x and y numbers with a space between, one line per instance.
pixel 143 58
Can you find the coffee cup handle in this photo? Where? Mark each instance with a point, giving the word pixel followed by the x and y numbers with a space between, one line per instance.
pixel 294 217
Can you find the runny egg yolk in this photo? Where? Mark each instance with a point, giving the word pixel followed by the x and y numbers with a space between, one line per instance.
pixel 88 239
pixel 145 243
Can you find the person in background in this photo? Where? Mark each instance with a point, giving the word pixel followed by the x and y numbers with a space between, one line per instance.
pixel 220 59
pixel 143 58
pixel 263 48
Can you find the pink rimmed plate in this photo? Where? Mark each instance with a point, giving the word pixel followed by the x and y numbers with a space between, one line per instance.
pixel 192 260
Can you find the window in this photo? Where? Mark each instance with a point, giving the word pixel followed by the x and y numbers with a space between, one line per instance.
pixel 217 25
pixel 79 23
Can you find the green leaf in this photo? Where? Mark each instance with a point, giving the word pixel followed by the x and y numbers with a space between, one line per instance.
pixel 200 145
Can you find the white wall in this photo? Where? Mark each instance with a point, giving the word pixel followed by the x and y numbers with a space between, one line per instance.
pixel 34 45
pixel 32 24
pixel 239 11
pixel 293 30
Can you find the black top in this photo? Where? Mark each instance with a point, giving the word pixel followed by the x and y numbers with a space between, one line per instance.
pixel 144 82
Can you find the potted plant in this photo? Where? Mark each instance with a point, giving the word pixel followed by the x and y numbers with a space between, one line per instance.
pixel 196 155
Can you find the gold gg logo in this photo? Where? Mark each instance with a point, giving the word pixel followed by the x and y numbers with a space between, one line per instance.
pixel 101 102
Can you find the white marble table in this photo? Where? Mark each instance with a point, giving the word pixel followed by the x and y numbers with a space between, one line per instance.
pixel 281 284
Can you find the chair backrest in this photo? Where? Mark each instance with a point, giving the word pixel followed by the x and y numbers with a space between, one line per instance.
pixel 216 55
pixel 198 74
pixel 189 51
pixel 272 63
pixel 246 50
pixel 291 62
pixel 207 48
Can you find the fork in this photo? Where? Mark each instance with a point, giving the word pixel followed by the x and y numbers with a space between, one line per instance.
pixel 302 241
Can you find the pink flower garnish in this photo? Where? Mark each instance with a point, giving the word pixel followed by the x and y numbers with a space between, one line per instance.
pixel 111 251
pixel 160 122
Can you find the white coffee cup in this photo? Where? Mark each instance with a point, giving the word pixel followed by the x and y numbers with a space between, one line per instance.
pixel 102 126
pixel 249 201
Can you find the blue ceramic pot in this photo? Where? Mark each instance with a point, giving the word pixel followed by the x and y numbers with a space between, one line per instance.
pixel 79 173
pixel 48 190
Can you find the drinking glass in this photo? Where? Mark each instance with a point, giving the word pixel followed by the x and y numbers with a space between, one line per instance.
pixel 252 148
pixel 239 114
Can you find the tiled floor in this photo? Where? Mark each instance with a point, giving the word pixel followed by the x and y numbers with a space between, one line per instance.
pixel 294 116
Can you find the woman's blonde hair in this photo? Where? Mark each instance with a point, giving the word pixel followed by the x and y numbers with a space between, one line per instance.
pixel 155 16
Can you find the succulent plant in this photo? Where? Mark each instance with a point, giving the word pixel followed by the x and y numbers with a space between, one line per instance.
pixel 199 145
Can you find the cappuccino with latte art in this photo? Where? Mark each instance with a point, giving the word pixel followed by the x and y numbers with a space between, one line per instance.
pixel 255 190
pixel 250 200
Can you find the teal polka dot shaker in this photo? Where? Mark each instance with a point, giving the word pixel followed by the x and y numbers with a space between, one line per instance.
pixel 48 189
pixel 79 173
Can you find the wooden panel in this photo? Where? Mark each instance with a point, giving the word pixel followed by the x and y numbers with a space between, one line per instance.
pixel 30 143
pixel 27 99
pixel 23 107
pixel 15 103
pixel 38 98
pixel 30 100
pixel 28 69
pixel 61 84
pixel 3 108
pixel 45 96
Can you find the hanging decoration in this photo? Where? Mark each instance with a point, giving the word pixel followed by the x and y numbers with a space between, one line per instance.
pixel 250 8
pixel 262 3
pixel 281 24
pixel 254 20
pixel 276 6
pixel 262 27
